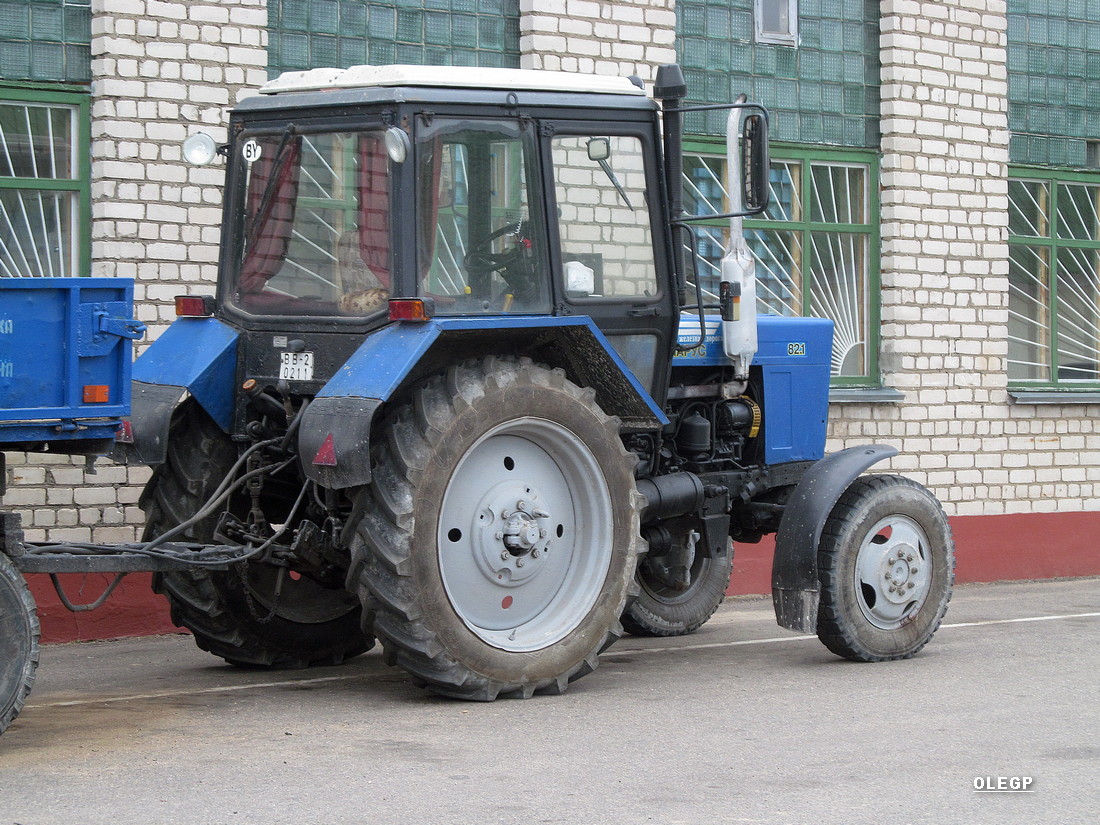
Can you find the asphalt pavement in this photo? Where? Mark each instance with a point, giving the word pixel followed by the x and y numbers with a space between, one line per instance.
pixel 741 722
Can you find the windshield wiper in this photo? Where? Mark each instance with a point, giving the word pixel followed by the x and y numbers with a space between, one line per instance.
pixel 269 190
pixel 607 170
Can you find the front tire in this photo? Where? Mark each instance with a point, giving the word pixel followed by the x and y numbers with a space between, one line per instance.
pixel 886 563
pixel 18 642
pixel 234 614
pixel 663 610
pixel 499 535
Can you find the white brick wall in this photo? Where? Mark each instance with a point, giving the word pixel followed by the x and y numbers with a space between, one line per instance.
pixel 623 38
pixel 945 279
pixel 162 71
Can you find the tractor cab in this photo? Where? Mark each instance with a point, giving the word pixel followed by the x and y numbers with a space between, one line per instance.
pixel 480 191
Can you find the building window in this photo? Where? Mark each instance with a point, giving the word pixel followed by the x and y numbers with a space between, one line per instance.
pixel 44 189
pixel 306 34
pixel 777 22
pixel 1054 279
pixel 816 248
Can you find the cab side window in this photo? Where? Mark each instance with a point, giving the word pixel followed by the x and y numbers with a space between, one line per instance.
pixel 603 217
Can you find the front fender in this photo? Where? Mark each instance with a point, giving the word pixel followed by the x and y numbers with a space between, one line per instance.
pixel 795 585
pixel 334 438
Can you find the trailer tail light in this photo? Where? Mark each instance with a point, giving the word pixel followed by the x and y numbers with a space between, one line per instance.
pixel 411 309
pixel 97 393
pixel 194 306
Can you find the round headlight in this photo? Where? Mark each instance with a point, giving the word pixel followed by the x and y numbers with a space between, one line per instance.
pixel 199 149
pixel 397 144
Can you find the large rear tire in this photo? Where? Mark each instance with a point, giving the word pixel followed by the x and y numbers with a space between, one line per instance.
pixel 234 614
pixel 499 534
pixel 886 563
pixel 18 642
pixel 663 610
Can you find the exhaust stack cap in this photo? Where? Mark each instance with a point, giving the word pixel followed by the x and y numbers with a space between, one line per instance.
pixel 670 83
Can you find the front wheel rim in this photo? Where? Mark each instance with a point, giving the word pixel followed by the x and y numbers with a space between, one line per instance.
pixel 525 535
pixel 893 572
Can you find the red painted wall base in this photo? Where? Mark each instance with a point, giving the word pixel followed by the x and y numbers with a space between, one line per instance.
pixel 132 610
pixel 989 548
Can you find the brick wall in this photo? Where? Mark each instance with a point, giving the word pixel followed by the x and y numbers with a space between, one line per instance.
pixel 944 244
pixel 161 71
pixel 945 278
pixel 597 37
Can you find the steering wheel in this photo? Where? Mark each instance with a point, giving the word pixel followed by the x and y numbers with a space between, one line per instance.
pixel 482 259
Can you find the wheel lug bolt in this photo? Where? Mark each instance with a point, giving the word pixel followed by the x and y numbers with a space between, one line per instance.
pixel 505 556
pixel 908 556
pixel 521 505
pixel 913 570
pixel 519 562
pixel 535 553
pixel 911 585
pixel 893 589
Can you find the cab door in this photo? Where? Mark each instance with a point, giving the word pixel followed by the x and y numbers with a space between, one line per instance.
pixel 608 253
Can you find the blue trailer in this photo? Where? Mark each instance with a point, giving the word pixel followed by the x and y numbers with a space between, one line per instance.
pixel 65 362
pixel 65 365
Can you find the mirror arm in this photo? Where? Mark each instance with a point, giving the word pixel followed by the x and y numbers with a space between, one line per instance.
pixel 715 217
pixel 713 107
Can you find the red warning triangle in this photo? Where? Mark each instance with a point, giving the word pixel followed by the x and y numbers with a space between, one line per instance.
pixel 326 456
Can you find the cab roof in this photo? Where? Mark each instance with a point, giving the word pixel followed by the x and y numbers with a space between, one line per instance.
pixel 448 77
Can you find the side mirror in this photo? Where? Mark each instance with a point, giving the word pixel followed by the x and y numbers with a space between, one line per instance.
pixel 599 148
pixel 755 164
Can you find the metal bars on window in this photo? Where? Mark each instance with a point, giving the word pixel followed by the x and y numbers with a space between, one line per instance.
pixel 44 190
pixel 1054 279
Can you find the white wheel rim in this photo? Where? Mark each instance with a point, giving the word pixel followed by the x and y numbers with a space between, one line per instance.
pixel 893 572
pixel 525 535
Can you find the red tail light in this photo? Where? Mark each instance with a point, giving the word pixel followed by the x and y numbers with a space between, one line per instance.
pixel 194 306
pixel 411 309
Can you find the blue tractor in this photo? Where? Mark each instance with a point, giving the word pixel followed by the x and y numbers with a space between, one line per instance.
pixel 460 391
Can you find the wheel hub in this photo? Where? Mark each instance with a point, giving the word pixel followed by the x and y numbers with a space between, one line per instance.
pixel 522 531
pixel 525 532
pixel 893 572
pixel 902 572
pixel 511 534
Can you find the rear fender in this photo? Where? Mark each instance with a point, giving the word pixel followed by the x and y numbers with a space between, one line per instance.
pixel 795 585
pixel 334 438
pixel 196 356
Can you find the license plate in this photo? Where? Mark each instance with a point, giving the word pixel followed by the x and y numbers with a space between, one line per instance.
pixel 296 366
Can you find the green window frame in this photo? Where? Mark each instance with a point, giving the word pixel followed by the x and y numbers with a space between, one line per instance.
pixel 816 248
pixel 45 181
pixel 1054 279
